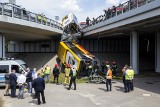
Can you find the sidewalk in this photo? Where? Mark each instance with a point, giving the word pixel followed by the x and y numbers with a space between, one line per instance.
pixel 93 95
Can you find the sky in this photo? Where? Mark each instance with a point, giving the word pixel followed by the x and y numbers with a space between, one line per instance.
pixel 81 8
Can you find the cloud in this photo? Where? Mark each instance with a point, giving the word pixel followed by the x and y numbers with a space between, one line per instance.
pixel 71 6
pixel 110 3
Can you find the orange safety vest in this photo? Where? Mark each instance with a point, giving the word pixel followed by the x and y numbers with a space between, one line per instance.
pixel 110 73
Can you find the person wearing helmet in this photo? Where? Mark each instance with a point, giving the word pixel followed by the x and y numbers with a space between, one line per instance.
pixel 56 73
pixel 67 72
pixel 114 69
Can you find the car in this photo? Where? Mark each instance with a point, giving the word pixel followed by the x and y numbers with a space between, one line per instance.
pixel 6 66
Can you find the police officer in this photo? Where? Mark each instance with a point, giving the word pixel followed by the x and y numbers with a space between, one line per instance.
pixel 13 83
pixel 114 69
pixel 67 76
pixel 56 73
pixel 73 75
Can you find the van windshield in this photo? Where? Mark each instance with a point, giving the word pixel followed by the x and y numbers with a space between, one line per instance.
pixel 24 66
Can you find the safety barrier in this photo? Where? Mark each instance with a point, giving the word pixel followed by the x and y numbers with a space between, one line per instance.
pixel 121 9
pixel 15 11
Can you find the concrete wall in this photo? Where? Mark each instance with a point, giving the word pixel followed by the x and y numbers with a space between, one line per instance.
pixel 34 47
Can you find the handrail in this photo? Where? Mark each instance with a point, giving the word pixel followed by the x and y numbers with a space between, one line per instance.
pixel 121 9
pixel 21 13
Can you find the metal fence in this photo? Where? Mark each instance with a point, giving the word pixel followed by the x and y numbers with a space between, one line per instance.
pixel 121 9
pixel 20 13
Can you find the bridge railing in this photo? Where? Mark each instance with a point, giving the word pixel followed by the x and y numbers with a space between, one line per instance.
pixel 20 13
pixel 121 9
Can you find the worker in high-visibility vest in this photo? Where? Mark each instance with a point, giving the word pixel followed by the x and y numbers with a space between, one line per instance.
pixel 44 20
pixel 108 79
pixel 132 78
pixel 67 76
pixel 73 75
pixel 128 78
pixel 39 18
pixel 47 73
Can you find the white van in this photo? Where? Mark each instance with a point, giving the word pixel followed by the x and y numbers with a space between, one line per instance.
pixel 8 65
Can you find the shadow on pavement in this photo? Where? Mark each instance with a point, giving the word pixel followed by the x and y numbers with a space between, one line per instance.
pixel 119 88
pixel 103 89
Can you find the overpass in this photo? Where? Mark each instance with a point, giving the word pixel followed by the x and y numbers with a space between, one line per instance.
pixel 134 21
pixel 18 24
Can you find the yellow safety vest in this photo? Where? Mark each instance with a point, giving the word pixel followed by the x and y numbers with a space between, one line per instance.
pixel 128 75
pixel 39 17
pixel 44 19
pixel 48 70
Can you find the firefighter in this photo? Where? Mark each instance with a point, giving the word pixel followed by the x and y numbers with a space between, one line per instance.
pixel 114 69
pixel 67 72
pixel 107 65
pixel 56 73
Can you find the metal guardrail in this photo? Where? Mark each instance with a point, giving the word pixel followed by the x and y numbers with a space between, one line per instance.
pixel 121 9
pixel 20 13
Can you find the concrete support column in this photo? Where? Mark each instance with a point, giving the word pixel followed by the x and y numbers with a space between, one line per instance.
pixel 134 51
pixel 157 52
pixel 2 46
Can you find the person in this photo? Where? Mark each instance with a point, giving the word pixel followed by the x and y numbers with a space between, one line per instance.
pixel 95 67
pixel 107 65
pixel 73 75
pixel 39 85
pixel 21 81
pixel 128 78
pixel 56 73
pixel 67 72
pixel 108 13
pixel 29 80
pixel 7 84
pixel 123 74
pixel 13 83
pixel 103 66
pixel 132 77
pixel 109 78
pixel 87 21
pixel 114 69
pixel 42 72
pixel 34 76
pixel 39 18
pixel 47 73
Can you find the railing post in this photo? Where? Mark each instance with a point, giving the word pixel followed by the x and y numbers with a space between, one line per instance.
pixel 12 11
pixel 29 16
pixel 21 13
pixel 2 9
pixel 36 18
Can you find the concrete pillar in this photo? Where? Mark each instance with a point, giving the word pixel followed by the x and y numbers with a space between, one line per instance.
pixel 134 51
pixel 2 46
pixel 157 52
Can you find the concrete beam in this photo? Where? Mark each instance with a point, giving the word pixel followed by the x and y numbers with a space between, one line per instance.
pixel 2 46
pixel 134 51
pixel 158 52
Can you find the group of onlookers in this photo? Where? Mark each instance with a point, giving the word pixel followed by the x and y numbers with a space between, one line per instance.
pixel 27 80
pixel 113 11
